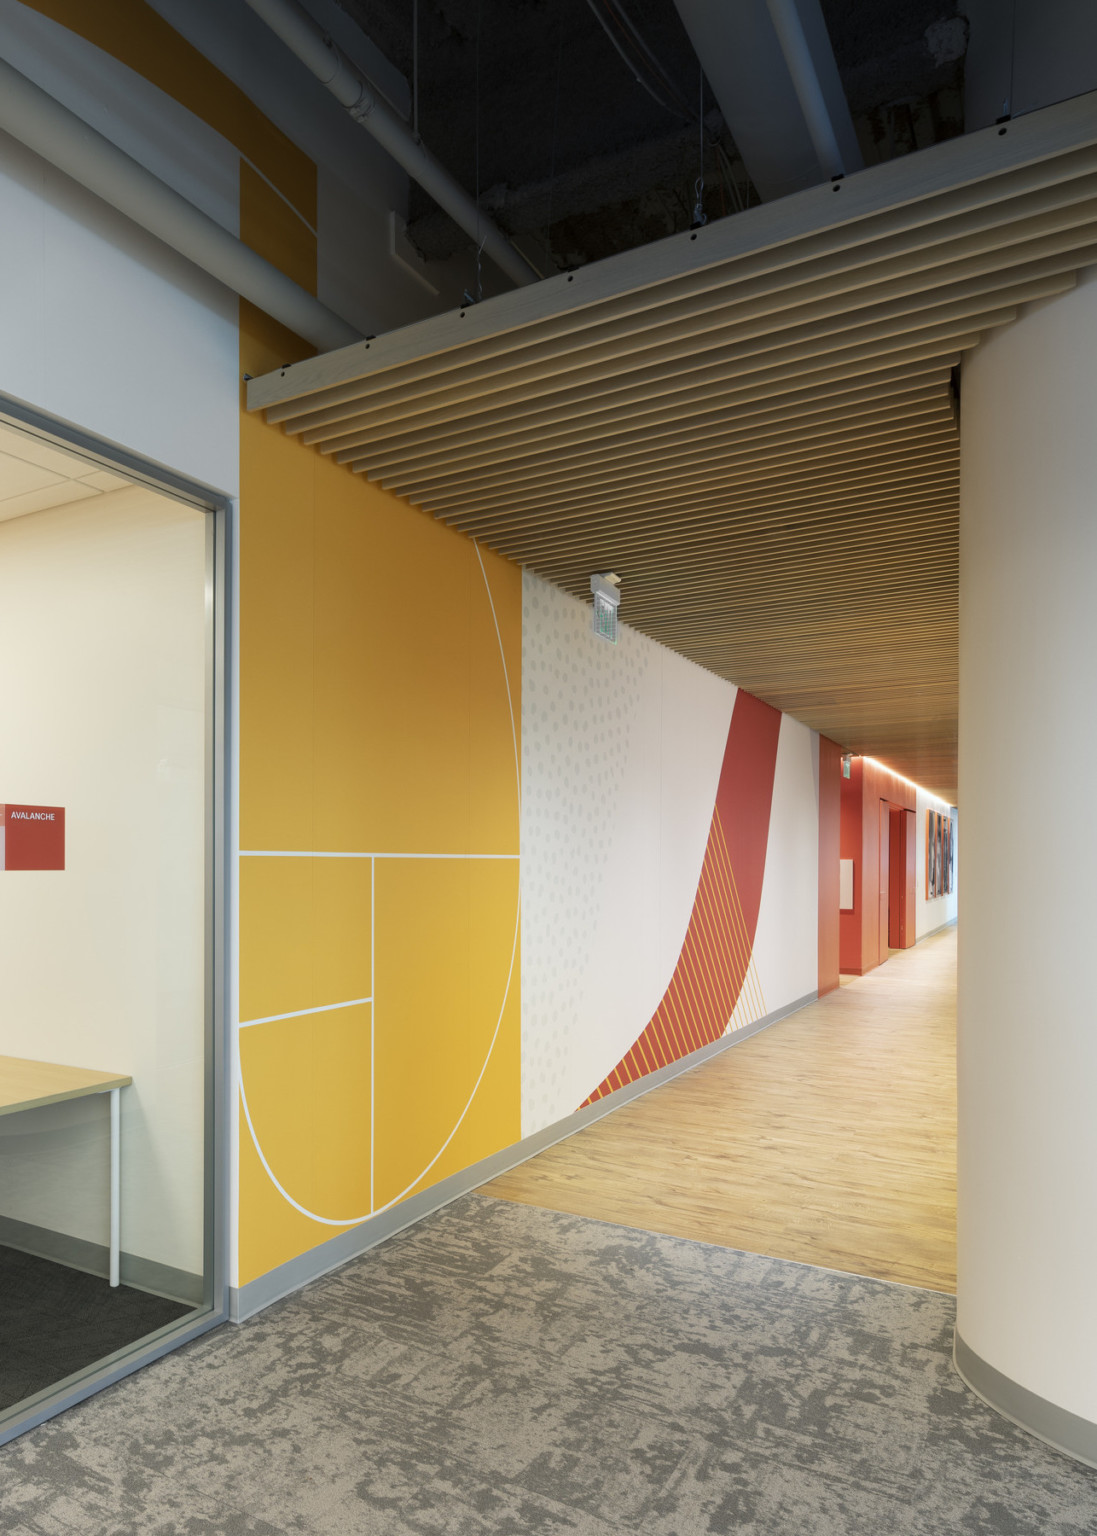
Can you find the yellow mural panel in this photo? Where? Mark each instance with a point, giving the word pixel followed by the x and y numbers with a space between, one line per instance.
pixel 271 1231
pixel 305 934
pixel 447 1018
pixel 277 767
pixel 307 1090
pixel 380 711
pixel 409 672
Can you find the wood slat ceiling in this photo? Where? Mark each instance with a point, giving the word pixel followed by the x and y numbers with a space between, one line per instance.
pixel 755 424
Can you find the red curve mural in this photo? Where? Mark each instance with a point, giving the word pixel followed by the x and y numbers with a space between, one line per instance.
pixel 714 970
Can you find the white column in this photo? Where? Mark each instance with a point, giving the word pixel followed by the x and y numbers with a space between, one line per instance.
pixel 1027 1224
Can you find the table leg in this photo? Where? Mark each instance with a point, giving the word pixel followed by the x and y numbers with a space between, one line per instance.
pixel 115 1181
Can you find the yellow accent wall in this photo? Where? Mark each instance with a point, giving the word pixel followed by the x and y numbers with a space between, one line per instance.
pixel 380 667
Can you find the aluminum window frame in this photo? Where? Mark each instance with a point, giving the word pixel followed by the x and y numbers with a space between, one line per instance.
pixel 220 510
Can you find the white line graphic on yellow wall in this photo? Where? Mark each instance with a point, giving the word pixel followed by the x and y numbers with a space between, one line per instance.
pixel 379 1039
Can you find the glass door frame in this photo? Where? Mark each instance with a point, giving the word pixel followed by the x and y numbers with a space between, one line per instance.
pixel 220 523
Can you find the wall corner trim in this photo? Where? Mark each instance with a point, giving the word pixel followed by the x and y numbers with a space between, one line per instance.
pixel 246 1300
pixel 1058 1427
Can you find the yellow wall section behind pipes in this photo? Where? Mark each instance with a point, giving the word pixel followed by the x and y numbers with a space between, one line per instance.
pixel 132 32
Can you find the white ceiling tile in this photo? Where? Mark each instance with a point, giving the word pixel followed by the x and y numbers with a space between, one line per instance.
pixel 59 494
pixel 103 480
pixel 31 450
pixel 17 477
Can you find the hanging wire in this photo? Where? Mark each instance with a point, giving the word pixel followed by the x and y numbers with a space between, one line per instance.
pixel 480 240
pixel 552 160
pixel 699 215
pixel 1007 106
pixel 644 67
pixel 415 68
pixel 649 73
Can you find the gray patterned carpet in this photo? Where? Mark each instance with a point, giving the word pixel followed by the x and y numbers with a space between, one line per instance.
pixel 505 1370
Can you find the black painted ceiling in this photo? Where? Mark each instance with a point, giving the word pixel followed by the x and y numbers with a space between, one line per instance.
pixel 531 104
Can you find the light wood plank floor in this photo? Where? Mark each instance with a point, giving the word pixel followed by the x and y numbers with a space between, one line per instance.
pixel 829 1138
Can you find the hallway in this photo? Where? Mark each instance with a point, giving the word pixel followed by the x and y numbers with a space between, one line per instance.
pixel 829 1138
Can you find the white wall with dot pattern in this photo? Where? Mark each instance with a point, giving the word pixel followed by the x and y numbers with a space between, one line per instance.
pixel 622 747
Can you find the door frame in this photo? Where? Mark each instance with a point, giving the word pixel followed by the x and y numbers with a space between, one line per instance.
pixel 220 512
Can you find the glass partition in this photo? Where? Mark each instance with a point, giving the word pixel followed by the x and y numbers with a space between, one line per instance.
pixel 107 741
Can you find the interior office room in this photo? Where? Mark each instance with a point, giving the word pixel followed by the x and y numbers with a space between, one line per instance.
pixel 526 534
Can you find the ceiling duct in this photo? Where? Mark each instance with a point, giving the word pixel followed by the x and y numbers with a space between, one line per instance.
pixel 40 122
pixel 771 68
pixel 319 53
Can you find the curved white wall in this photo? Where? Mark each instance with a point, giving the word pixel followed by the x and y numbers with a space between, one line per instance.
pixel 1028 909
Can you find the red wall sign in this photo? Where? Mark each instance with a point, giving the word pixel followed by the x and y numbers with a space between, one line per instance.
pixel 32 837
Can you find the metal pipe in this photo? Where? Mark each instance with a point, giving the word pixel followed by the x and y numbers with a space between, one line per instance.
pixel 40 122
pixel 332 68
pixel 805 80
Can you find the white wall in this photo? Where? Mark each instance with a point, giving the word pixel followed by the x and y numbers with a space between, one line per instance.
pixel 786 943
pixel 102 325
pixel 102 683
pixel 622 748
pixel 931 915
pixel 1027 1240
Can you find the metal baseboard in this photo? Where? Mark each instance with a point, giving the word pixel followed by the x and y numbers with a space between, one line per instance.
pixel 1064 1431
pixel 246 1300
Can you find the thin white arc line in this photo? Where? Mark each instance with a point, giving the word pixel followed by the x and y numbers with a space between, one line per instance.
pixel 506 679
pixel 307 853
pixel 299 1013
pixel 329 1221
pixel 354 1221
pixel 279 193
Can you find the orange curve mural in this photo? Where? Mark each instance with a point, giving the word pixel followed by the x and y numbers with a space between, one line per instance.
pixel 715 984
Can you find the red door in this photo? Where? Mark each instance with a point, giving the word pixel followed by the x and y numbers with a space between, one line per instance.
pixel 896 893
pixel 885 882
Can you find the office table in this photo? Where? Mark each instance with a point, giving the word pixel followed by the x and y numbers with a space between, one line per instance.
pixel 31 1084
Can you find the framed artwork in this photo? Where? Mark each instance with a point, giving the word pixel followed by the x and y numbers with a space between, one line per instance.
pixel 940 854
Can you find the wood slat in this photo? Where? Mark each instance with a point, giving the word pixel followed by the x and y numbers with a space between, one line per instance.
pixel 756 312
pixel 754 423
pixel 842 399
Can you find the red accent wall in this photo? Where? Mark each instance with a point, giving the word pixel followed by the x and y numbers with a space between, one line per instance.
pixel 849 923
pixel 910 850
pixel 744 796
pixel 830 839
pixel 713 968
pixel 869 784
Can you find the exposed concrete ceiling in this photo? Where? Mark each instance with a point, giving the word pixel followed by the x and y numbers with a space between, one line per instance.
pixel 530 102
